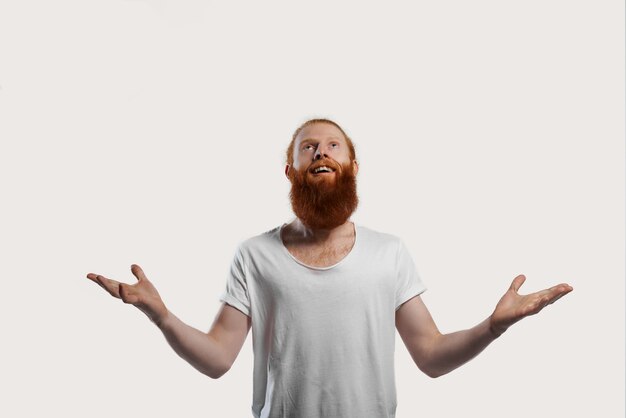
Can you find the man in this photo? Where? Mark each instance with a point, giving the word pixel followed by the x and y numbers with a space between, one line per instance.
pixel 323 297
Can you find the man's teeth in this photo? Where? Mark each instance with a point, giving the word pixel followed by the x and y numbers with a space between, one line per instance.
pixel 322 169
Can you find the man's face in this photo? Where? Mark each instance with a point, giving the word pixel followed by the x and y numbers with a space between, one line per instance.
pixel 316 144
pixel 323 177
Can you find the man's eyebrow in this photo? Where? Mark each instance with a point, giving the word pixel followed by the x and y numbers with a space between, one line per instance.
pixel 316 140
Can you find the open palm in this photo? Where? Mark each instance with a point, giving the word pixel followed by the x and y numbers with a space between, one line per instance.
pixel 142 294
pixel 512 306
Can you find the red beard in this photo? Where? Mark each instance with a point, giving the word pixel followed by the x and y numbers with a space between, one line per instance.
pixel 324 201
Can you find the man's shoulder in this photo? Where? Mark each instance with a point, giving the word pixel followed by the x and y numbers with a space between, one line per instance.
pixel 379 237
pixel 261 240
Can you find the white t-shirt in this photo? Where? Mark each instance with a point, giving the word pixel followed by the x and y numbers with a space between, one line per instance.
pixel 323 338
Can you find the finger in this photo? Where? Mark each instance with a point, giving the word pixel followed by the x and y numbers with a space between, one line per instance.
pixel 517 283
pixel 138 272
pixel 556 298
pixel 111 286
pixel 547 297
pixel 557 292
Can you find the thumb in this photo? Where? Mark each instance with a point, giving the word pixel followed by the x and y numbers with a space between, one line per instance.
pixel 138 272
pixel 517 283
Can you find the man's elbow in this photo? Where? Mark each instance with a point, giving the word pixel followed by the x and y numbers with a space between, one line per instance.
pixel 431 372
pixel 217 372
pixel 216 376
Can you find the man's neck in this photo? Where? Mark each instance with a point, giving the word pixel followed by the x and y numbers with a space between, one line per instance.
pixel 298 233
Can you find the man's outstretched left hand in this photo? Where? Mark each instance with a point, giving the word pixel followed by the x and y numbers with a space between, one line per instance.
pixel 512 306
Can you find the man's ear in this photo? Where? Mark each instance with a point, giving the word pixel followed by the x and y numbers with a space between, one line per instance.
pixel 287 168
pixel 355 166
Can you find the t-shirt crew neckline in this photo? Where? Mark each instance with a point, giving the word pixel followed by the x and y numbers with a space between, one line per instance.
pixel 343 260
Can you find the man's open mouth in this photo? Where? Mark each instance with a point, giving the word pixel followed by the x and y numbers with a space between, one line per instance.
pixel 322 169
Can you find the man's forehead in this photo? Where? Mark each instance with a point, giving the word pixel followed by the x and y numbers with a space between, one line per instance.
pixel 319 131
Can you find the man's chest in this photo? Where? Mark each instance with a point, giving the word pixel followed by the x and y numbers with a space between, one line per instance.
pixel 321 255
pixel 359 286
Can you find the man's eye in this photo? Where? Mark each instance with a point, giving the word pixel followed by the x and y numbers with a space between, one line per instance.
pixel 308 147
pixel 334 145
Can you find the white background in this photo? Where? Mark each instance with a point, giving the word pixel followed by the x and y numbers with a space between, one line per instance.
pixel 490 136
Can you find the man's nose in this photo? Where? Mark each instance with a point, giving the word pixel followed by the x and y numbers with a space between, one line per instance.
pixel 318 154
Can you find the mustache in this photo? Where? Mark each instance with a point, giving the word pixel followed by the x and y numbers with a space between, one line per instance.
pixel 326 161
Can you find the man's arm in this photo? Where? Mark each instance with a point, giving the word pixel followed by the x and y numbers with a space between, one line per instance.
pixel 211 353
pixel 437 354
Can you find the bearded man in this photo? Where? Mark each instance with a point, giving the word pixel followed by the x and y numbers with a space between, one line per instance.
pixel 324 297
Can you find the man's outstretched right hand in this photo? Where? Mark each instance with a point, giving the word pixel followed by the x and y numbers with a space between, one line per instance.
pixel 142 294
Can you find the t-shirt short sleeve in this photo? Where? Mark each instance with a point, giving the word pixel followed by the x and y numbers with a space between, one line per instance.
pixel 236 292
pixel 408 282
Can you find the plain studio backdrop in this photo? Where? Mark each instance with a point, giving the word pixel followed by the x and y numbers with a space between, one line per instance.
pixel 490 136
